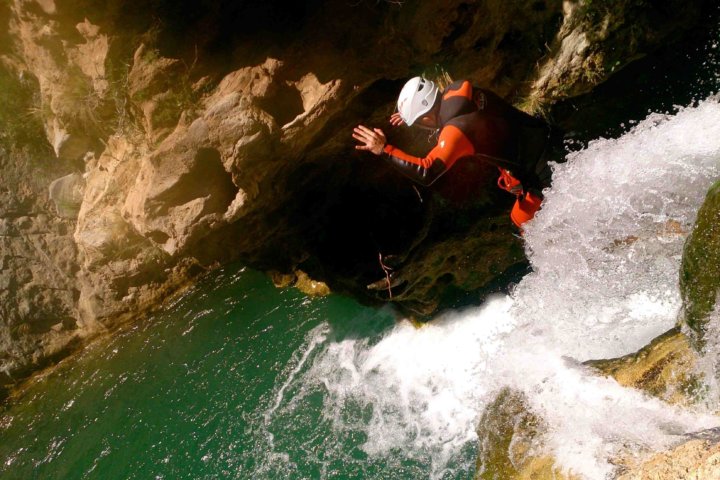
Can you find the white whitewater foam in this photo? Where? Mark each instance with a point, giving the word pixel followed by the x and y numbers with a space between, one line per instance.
pixel 604 247
pixel 605 251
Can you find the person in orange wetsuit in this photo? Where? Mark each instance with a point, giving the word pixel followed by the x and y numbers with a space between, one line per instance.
pixel 473 122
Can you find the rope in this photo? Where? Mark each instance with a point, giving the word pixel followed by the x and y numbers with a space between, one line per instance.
pixel 387 271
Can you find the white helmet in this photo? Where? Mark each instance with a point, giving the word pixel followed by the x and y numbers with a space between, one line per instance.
pixel 416 99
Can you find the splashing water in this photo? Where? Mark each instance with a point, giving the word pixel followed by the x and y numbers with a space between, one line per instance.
pixel 605 251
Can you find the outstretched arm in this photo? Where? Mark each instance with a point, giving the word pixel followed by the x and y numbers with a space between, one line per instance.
pixel 452 145
pixel 371 140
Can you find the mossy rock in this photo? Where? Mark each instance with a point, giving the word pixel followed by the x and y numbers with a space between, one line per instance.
pixel 700 268
pixel 18 99
pixel 300 280
pixel 308 286
pixel 507 433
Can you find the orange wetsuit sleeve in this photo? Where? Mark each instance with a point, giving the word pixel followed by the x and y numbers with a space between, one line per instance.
pixel 452 145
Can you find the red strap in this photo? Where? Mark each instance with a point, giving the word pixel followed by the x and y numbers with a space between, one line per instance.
pixel 509 183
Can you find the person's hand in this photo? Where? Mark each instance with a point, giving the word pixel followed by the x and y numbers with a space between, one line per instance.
pixel 396 120
pixel 372 140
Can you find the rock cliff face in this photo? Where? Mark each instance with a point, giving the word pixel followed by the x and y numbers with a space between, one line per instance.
pixel 38 257
pixel 183 135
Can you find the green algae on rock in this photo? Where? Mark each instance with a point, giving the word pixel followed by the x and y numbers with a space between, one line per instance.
pixel 700 268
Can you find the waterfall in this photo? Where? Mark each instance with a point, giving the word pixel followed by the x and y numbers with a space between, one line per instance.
pixel 605 251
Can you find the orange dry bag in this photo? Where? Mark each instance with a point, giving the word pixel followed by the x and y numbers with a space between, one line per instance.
pixel 525 208
pixel 527 203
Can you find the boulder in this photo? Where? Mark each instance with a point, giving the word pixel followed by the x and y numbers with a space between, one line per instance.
pixel 700 269
pixel 507 433
pixel 666 368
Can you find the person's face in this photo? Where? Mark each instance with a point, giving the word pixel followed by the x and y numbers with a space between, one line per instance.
pixel 429 121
